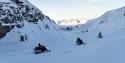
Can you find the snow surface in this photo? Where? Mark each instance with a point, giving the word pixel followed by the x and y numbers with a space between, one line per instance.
pixel 109 49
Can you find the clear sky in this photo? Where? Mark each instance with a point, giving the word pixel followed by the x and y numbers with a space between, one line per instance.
pixel 63 9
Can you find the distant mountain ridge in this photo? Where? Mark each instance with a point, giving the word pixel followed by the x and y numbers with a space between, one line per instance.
pixel 73 21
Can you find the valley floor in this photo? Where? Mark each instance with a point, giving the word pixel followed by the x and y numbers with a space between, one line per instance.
pixel 110 49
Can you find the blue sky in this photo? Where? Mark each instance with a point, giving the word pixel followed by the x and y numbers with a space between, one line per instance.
pixel 64 9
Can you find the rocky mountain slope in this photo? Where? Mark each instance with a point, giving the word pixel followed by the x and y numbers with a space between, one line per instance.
pixel 15 13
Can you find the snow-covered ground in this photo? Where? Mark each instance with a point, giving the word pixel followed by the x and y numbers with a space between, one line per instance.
pixel 109 49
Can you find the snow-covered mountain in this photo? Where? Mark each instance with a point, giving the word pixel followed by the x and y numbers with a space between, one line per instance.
pixel 19 13
pixel 110 21
pixel 39 28
pixel 72 21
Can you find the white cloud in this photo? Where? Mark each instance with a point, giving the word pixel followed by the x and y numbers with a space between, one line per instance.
pixel 95 0
pixel 75 1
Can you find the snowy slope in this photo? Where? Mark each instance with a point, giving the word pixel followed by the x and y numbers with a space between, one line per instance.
pixel 16 13
pixel 42 25
pixel 113 19
pixel 110 49
pixel 26 20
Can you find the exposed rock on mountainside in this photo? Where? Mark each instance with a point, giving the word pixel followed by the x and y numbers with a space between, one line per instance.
pixel 14 13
